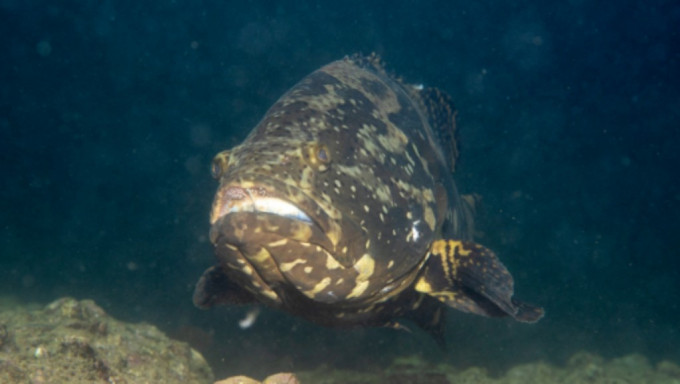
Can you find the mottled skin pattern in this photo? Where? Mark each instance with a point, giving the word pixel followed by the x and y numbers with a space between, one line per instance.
pixel 369 162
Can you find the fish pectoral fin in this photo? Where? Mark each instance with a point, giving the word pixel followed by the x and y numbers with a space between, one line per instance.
pixel 215 288
pixel 469 277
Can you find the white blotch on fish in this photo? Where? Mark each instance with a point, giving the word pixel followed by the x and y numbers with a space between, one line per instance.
pixel 414 234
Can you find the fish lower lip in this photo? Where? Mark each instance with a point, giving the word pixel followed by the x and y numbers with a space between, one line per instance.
pixel 271 205
pixel 256 200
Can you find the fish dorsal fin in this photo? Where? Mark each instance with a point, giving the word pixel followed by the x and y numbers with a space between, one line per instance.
pixel 372 62
pixel 441 115
pixel 437 105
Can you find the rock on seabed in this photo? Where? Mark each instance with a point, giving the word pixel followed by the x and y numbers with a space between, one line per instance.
pixel 71 341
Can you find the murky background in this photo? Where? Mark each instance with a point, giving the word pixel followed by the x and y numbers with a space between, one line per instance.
pixel 569 116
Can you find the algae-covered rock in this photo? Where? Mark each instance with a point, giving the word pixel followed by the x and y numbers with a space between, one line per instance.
pixel 583 367
pixel 670 369
pixel 72 341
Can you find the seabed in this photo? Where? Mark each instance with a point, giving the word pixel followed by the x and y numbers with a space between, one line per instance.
pixel 71 341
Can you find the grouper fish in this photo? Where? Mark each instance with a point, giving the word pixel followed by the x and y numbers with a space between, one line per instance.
pixel 340 207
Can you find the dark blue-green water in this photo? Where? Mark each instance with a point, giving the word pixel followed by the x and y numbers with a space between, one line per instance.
pixel 569 119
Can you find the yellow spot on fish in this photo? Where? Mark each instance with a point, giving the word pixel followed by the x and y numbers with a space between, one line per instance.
pixel 429 217
pixel 331 263
pixel 409 158
pixel 285 267
pixel 306 181
pixel 428 195
pixel 384 194
pixel 261 256
pixel 439 248
pixel 394 142
pixel 301 232
pixel 278 243
pixel 365 267
pixel 270 294
pixel 423 286
pixel 319 287
pixel 358 289
pixel 333 233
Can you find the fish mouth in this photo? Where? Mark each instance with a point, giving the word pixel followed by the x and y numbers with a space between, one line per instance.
pixel 256 200
pixel 268 197
pixel 251 212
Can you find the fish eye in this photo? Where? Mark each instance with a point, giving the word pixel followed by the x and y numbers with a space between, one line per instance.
pixel 317 155
pixel 215 169
pixel 219 164
pixel 322 154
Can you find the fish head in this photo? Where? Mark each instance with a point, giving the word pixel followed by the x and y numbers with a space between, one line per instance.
pixel 276 222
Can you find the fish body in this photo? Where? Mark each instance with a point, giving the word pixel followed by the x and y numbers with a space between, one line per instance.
pixel 340 207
